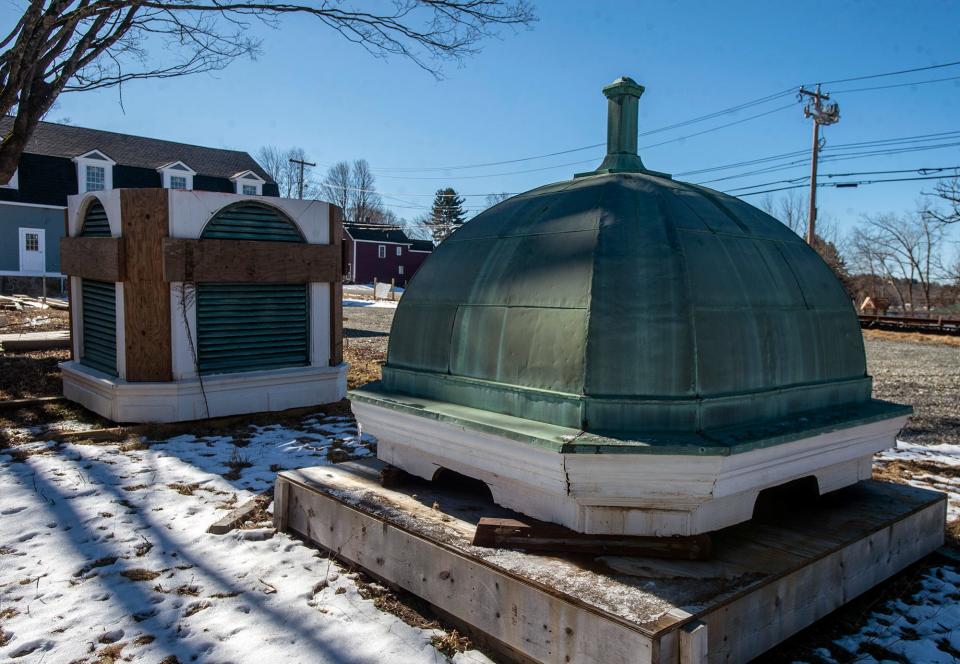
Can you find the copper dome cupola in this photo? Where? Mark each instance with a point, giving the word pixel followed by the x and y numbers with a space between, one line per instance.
pixel 623 312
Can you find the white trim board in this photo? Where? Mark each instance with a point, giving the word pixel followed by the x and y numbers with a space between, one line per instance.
pixel 34 205
pixel 624 494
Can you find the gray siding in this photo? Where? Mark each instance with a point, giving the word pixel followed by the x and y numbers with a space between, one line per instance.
pixel 14 217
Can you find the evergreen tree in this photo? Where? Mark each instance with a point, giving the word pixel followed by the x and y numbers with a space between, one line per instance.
pixel 446 215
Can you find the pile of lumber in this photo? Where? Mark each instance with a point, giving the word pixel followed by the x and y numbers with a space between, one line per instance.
pixel 20 302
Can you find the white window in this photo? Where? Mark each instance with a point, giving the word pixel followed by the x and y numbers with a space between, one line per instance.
pixel 96 178
pixel 31 242
pixel 94 172
pixel 382 251
pixel 13 182
pixel 399 251
pixel 400 269
pixel 248 183
pixel 177 175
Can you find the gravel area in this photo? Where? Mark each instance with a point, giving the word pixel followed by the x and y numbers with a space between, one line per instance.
pixel 924 374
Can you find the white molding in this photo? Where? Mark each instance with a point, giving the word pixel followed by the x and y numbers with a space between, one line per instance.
pixel 635 494
pixel 403 244
pixel 226 394
pixel 15 273
pixel 191 210
pixel 14 181
pixel 77 208
pixel 85 160
pixel 34 205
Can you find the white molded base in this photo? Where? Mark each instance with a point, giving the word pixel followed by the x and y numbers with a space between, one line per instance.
pixel 226 394
pixel 633 494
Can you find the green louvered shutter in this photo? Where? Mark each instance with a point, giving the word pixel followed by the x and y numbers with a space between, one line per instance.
pixel 95 224
pixel 249 327
pixel 99 304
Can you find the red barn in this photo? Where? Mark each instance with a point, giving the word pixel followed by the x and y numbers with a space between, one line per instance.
pixel 381 252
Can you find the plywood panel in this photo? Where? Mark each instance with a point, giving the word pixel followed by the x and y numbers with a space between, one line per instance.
pixel 336 288
pixel 146 296
pixel 98 258
pixel 244 261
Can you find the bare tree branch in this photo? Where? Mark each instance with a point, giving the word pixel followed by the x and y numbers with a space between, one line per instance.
pixel 61 46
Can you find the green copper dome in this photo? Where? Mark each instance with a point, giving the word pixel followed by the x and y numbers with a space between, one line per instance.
pixel 623 301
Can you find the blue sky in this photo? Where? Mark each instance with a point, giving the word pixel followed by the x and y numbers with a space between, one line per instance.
pixel 538 91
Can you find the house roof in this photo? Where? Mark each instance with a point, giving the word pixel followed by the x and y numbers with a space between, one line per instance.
pixel 377 233
pixel 58 140
pixel 421 245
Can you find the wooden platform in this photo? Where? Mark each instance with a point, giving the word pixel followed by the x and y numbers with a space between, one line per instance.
pixel 766 580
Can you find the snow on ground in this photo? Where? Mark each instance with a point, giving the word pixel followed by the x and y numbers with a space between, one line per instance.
pixel 922 625
pixel 384 304
pixel 104 554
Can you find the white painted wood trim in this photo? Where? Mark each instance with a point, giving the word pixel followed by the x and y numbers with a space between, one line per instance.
pixel 639 494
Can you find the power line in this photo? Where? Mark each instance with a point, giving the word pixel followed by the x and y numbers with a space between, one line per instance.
pixel 891 73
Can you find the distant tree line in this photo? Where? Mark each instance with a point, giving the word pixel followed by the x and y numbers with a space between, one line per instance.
pixel 907 259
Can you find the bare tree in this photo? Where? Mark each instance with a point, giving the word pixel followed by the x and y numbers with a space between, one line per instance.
pixel 908 248
pixel 286 174
pixel 364 199
pixel 948 191
pixel 61 46
pixel 493 199
pixel 336 185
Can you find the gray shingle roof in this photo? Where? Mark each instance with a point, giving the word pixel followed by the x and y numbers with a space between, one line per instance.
pixel 57 140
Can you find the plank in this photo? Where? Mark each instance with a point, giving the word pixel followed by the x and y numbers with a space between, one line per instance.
pixel 248 261
pixel 336 288
pixel 146 296
pixel 533 535
pixel 35 341
pixel 99 258
pixel 235 517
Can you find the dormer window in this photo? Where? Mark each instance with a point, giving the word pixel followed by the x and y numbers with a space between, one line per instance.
pixel 94 171
pixel 177 175
pixel 248 183
pixel 13 182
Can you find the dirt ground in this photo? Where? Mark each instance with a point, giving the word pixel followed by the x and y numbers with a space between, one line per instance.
pixel 33 320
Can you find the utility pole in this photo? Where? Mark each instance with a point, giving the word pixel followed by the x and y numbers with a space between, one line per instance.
pixel 300 179
pixel 822 114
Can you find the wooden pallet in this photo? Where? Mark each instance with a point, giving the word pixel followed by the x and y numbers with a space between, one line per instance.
pixel 765 581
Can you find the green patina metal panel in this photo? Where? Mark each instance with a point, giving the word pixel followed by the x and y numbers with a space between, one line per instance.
pixel 246 327
pixel 99 325
pixel 251 326
pixel 252 221
pixel 95 222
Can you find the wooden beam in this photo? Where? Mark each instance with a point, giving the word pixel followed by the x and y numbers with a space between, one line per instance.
pixel 146 296
pixel 99 258
pixel 248 261
pixel 532 535
pixel 336 288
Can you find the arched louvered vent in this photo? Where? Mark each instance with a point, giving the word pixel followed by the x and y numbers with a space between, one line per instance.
pixel 252 221
pixel 95 222
pixel 99 325
pixel 250 327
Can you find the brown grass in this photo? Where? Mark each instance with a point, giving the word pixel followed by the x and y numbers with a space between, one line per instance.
pixel 110 654
pixel 915 337
pixel 140 574
pixel 144 639
pixel 365 365
pixel 31 374
pixel 184 489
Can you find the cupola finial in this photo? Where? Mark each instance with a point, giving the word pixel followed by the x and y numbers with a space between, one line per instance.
pixel 622 96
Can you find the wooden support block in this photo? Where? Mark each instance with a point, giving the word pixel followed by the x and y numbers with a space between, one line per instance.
pixel 240 261
pixel 693 643
pixel 533 535
pixel 336 288
pixel 235 517
pixel 98 258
